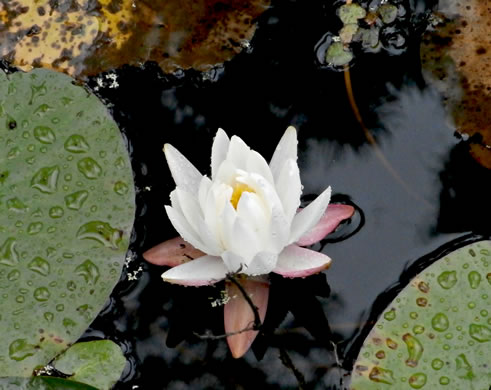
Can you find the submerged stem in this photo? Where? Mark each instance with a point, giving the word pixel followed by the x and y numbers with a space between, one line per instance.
pixel 371 140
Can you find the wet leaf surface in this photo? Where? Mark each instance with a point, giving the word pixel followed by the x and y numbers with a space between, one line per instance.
pixel 66 213
pixel 456 59
pixel 437 331
pixel 88 37
pixel 42 383
pixel 98 363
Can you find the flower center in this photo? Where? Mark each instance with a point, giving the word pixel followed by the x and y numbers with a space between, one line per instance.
pixel 239 188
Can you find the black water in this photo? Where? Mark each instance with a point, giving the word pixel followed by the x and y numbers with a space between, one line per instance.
pixel 427 193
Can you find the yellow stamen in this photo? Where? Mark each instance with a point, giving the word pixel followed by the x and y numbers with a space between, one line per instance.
pixel 239 188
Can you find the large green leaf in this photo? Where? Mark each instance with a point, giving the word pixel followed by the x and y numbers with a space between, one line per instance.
pixel 99 363
pixel 66 213
pixel 42 383
pixel 436 334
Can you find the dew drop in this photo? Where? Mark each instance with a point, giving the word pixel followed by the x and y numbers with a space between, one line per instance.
pixel 20 349
pixel 42 109
pixel 391 343
pixel 48 316
pixel 46 179
pixel 121 188
pixel 76 144
pixel 20 299
pixel 89 271
pixel 13 275
pixel 13 153
pixel 444 380
pixel 8 254
pixel 56 212
pixel 71 285
pixel 16 205
pixel 421 302
pixel 390 315
pixel 417 381
pixel 440 322
pixel 437 364
pixel 381 375
pixel 464 369
pixel 44 135
pixel 76 200
pixel 101 232
pixel 34 228
pixel 474 278
pixel 480 333
pixel 418 329
pixel 414 349
pixel 60 307
pixel 41 294
pixel 40 266
pixel 89 168
pixel 423 287
pixel 447 279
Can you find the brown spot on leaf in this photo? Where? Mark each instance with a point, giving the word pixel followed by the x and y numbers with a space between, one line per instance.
pixel 459 65
pixel 106 34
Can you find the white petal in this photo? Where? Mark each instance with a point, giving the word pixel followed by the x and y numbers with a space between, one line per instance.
pixel 218 196
pixel 309 216
pixel 218 151
pixel 244 242
pixel 295 262
pixel 257 164
pixel 252 210
pixel 184 229
pixel 200 272
pixel 279 226
pixel 286 149
pixel 204 188
pixel 289 188
pixel 263 263
pixel 183 172
pixel 238 152
pixel 226 225
pixel 227 171
pixel 233 262
pixel 189 207
pixel 209 239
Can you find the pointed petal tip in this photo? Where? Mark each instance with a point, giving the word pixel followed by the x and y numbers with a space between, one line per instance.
pixel 238 314
pixel 334 215
pixel 297 262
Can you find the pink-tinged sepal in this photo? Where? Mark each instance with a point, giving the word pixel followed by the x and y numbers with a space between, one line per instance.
pixel 172 253
pixel 334 215
pixel 238 313
pixel 297 262
pixel 203 271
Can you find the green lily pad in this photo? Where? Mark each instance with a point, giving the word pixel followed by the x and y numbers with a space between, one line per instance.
pixel 99 363
pixel 350 13
pixel 66 213
pixel 337 55
pixel 42 383
pixel 437 331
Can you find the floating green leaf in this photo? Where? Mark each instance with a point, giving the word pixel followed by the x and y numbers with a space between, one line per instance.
pixel 64 225
pixel 350 13
pixel 436 332
pixel 337 55
pixel 42 383
pixel 99 363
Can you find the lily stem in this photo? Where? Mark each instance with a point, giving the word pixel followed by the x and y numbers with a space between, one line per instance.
pixel 288 363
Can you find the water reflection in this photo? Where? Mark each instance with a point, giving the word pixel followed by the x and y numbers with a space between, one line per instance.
pixel 400 217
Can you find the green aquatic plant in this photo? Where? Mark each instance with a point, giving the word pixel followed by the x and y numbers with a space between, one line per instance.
pixel 436 332
pixel 98 363
pixel 42 383
pixel 66 213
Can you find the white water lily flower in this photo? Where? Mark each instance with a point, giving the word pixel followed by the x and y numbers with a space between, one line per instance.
pixel 244 219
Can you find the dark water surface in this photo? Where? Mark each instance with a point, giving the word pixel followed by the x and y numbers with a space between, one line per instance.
pixel 426 193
